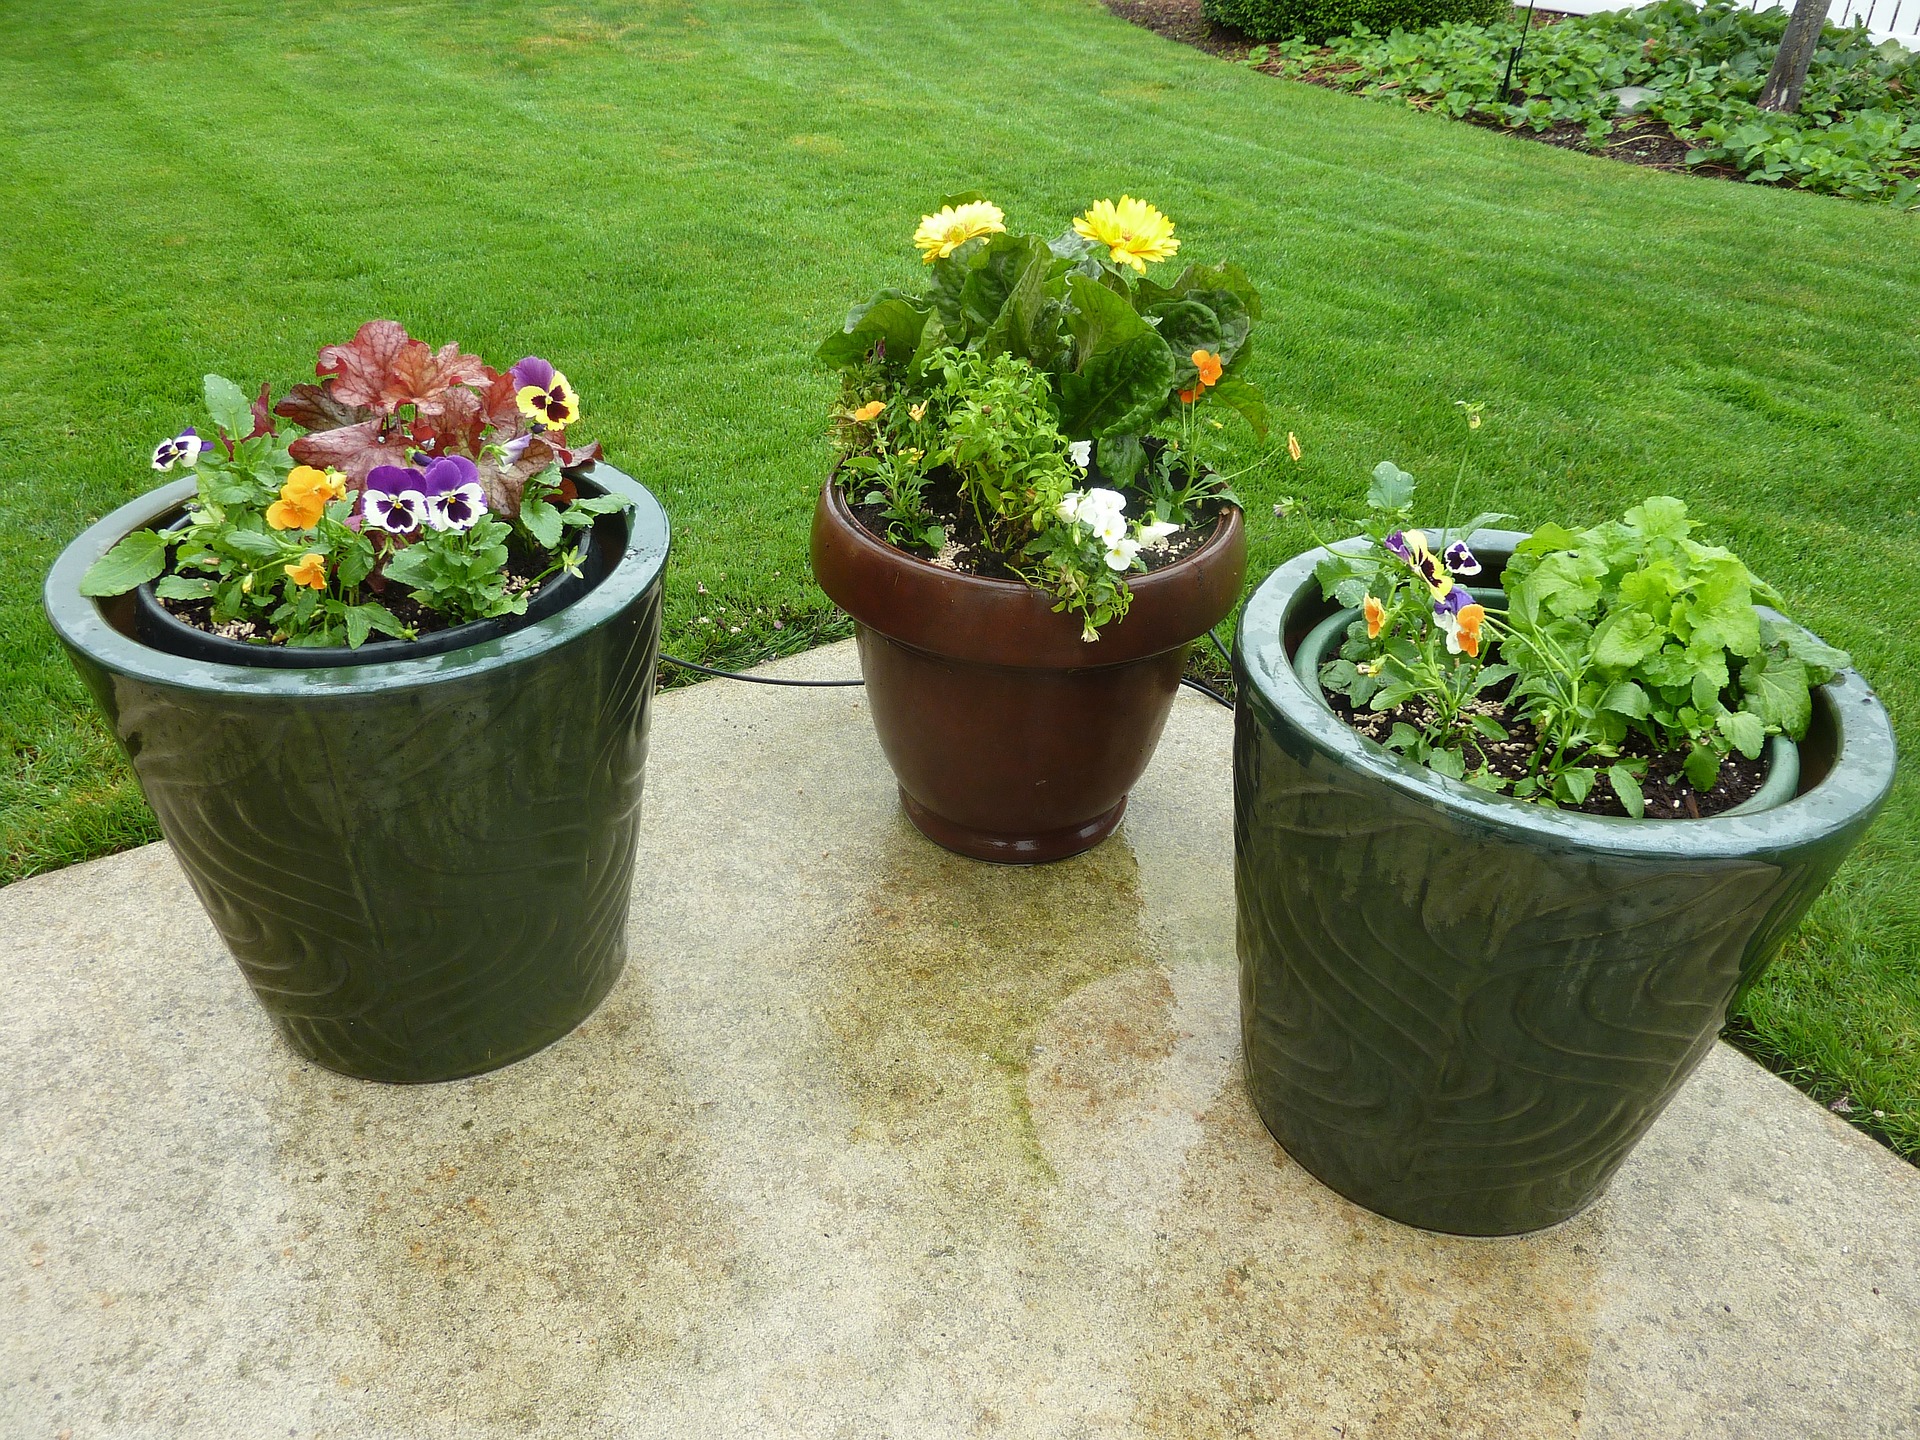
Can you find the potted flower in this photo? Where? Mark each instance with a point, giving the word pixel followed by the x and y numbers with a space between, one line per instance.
pixel 382 664
pixel 1516 820
pixel 1024 524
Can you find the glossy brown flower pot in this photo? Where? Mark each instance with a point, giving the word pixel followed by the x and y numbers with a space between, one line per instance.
pixel 1013 739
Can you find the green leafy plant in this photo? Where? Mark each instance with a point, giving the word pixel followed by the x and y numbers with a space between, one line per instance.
pixel 1633 626
pixel 1857 132
pixel 1027 370
pixel 406 472
pixel 1315 20
pixel 1629 630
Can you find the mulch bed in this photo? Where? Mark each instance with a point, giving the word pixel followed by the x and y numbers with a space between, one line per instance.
pixel 1645 142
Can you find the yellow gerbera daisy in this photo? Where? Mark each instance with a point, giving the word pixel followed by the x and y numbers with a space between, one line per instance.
pixel 1133 231
pixel 940 235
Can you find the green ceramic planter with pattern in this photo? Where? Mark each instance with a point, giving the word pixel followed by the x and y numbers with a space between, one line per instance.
pixel 1462 1010
pixel 421 865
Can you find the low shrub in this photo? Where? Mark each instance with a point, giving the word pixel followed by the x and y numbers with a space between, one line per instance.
pixel 1318 20
pixel 1857 132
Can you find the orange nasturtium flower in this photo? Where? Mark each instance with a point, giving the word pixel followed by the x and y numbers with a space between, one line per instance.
pixel 303 498
pixel 870 411
pixel 310 571
pixel 1376 617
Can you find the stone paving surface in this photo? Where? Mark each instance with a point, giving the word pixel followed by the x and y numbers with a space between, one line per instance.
pixel 869 1141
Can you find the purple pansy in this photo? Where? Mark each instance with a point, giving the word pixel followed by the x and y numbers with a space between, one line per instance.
pixel 393 500
pixel 531 370
pixel 182 449
pixel 1396 544
pixel 1451 603
pixel 454 498
pixel 1461 560
pixel 515 448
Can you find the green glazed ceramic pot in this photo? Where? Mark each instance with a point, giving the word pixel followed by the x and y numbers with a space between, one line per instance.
pixel 421 865
pixel 1462 1010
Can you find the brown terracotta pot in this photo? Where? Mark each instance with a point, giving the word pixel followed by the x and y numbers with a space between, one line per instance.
pixel 1012 738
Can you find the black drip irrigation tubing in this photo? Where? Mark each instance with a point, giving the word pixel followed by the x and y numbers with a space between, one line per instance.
pixel 1187 680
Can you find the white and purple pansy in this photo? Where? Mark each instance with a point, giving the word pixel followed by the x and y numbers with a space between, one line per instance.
pixel 393 499
pixel 454 498
pixel 1460 560
pixel 182 449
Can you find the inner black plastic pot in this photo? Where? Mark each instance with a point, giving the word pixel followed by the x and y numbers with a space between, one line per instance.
pixel 155 625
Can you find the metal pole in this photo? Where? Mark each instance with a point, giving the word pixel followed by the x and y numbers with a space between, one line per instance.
pixel 1513 55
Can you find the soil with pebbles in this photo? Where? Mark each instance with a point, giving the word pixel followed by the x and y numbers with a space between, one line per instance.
pixel 1669 795
pixel 966 550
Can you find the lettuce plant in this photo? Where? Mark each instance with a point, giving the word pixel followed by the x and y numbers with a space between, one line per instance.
pixel 406 472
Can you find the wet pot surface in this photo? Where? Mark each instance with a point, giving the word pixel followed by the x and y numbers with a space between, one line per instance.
pixel 1012 739
pixel 1460 1010
pixel 422 866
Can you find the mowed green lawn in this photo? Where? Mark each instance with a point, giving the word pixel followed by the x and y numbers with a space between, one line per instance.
pixel 673 199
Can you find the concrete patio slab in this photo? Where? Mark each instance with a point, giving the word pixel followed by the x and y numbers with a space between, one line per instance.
pixel 869 1141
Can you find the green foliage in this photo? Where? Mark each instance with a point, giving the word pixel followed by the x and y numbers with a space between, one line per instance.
pixel 1635 627
pixel 1317 20
pixel 281 548
pixel 1630 628
pixel 460 573
pixel 1020 351
pixel 1116 348
pixel 1857 132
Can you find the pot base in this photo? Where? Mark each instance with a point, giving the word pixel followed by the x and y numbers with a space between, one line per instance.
pixel 1002 849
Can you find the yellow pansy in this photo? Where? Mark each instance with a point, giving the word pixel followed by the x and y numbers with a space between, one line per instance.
pixel 304 496
pixel 309 571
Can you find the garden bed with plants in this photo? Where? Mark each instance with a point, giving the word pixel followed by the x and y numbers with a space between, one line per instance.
pixel 1691 77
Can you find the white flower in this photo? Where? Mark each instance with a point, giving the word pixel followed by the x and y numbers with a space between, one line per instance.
pixel 1153 534
pixel 1070 507
pixel 1120 553
pixel 1082 453
pixel 1102 499
pixel 182 449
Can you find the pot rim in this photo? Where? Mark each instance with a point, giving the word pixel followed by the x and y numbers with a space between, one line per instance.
pixel 1053 640
pixel 1855 785
pixel 80 623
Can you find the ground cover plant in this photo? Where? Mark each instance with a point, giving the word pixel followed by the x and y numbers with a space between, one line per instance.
pixel 1857 132
pixel 715 178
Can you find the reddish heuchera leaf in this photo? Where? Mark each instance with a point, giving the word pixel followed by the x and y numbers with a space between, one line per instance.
pixel 429 380
pixel 316 407
pixel 262 417
pixel 352 449
pixel 361 367
pixel 383 368
pixel 456 429
pixel 499 406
